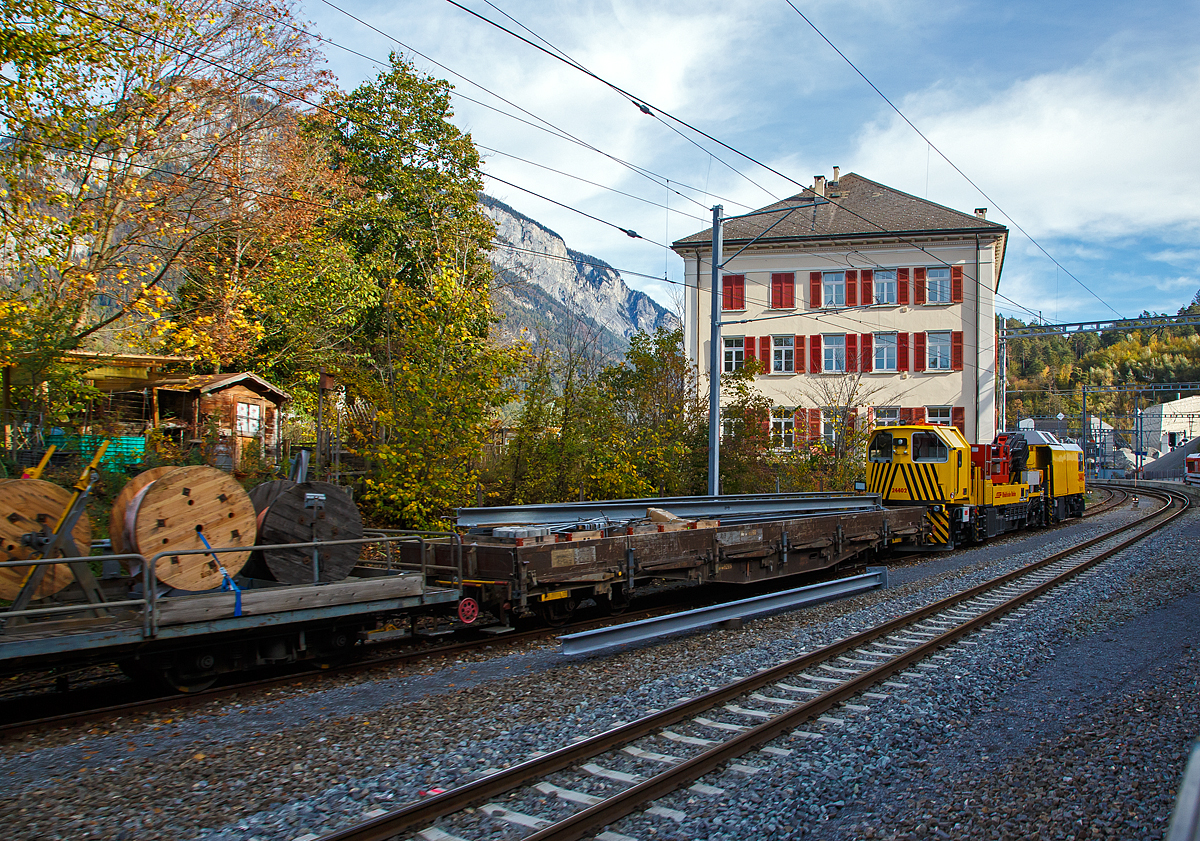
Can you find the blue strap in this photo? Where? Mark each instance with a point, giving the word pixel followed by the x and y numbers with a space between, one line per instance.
pixel 227 582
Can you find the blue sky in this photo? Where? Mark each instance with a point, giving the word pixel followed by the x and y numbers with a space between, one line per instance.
pixel 1081 121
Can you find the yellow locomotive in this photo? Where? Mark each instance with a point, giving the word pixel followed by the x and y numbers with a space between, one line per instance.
pixel 976 491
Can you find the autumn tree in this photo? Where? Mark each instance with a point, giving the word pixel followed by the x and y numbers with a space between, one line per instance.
pixel 144 136
pixel 422 369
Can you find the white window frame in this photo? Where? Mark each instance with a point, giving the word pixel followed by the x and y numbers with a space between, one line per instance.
pixel 828 427
pixel 885 287
pixel 937 285
pixel 729 428
pixel 887 415
pixel 937 350
pixel 879 346
pixel 833 353
pixel 783 354
pixel 249 420
pixel 783 426
pixel 833 289
pixel 734 355
pixel 938 415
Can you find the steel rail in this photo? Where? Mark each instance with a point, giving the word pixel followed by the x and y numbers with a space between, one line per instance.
pixel 11 729
pixel 1116 496
pixel 626 802
pixel 425 812
pixel 686 507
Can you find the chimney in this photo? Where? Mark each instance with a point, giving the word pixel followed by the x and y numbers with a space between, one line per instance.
pixel 819 185
pixel 837 171
pixel 981 212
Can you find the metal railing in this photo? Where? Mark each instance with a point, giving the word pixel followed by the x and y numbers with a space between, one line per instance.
pixel 149 601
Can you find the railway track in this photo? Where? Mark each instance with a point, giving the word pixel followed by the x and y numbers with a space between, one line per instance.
pixel 582 788
pixel 91 714
pixel 17 724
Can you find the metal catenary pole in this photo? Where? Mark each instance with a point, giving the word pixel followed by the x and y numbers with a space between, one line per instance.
pixel 714 363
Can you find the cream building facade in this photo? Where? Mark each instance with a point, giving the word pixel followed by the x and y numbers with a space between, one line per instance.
pixel 851 292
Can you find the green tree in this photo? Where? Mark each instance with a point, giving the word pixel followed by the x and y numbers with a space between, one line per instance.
pixel 422 372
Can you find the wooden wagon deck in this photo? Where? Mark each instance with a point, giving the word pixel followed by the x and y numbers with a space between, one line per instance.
pixel 213 613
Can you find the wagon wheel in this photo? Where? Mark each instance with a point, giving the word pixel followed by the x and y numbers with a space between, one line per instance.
pixel 468 611
pixel 186 685
pixel 558 612
pixel 614 603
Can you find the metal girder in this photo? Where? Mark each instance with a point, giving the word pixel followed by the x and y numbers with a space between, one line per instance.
pixel 1185 821
pixel 647 629
pixel 1097 326
pixel 685 507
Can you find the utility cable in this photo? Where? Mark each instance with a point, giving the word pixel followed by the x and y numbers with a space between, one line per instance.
pixel 943 156
pixel 547 126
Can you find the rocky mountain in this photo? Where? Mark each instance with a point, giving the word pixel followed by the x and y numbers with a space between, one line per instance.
pixel 554 296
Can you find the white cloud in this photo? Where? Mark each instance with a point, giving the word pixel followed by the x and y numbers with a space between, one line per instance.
pixel 1103 150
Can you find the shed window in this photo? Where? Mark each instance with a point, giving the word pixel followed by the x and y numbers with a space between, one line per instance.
pixel 249 420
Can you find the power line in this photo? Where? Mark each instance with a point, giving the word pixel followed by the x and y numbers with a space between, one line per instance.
pixel 547 126
pixel 943 156
pixel 646 108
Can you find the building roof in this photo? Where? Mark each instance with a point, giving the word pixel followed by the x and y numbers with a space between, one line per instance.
pixel 207 383
pixel 851 208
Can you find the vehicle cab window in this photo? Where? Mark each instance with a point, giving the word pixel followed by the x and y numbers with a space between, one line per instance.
pixel 927 446
pixel 881 448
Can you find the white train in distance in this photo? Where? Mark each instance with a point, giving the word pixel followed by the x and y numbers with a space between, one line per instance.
pixel 1191 469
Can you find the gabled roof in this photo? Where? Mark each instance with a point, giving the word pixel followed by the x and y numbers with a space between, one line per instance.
pixel 208 383
pixel 852 208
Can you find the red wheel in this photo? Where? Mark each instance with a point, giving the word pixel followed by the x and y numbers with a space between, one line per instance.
pixel 468 611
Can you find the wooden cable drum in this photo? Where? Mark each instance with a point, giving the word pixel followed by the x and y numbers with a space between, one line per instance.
pixel 169 514
pixel 116 520
pixel 26 505
pixel 292 515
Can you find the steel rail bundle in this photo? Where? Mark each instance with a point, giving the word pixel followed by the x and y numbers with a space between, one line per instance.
pixel 914 637
pixel 615 511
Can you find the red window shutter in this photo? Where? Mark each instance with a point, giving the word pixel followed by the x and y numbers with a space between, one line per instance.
pixel 919 354
pixel 956 350
pixel 764 352
pixel 783 290
pixel 814 424
pixel 751 347
pixel 919 286
pixel 901 351
pixel 918 415
pixel 902 288
pixel 956 284
pixel 958 416
pixel 868 287
pixel 814 290
pixel 733 292
pixel 851 420
pixel 866 352
pixel 799 354
pixel 906 415
pixel 815 364
pixel 852 288
pixel 852 352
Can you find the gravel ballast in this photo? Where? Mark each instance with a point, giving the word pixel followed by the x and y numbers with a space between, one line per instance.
pixel 1072 722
